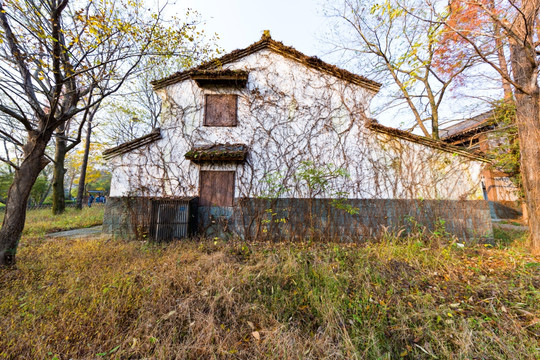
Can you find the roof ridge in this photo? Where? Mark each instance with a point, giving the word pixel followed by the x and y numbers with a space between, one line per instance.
pixel 288 51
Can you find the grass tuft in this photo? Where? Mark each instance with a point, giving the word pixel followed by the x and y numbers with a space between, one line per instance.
pixel 396 298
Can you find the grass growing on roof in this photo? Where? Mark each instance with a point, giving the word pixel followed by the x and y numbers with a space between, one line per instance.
pixel 396 298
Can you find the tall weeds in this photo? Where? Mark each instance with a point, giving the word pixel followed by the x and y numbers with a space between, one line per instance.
pixel 396 298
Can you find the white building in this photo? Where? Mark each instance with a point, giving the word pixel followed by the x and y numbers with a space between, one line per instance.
pixel 270 126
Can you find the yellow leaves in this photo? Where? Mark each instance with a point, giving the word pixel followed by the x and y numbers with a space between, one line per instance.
pixel 387 8
pixel 404 353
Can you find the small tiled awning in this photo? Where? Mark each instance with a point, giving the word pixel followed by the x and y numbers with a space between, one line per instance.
pixel 132 145
pixel 218 152
pixel 231 78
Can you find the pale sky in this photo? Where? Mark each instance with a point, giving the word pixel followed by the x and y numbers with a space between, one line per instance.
pixel 240 23
pixel 297 23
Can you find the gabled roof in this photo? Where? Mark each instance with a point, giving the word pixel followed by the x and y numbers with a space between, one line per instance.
pixel 467 127
pixel 436 144
pixel 267 42
pixel 132 145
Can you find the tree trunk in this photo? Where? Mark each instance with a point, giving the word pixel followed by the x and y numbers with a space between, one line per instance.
pixel 18 193
pixel 528 121
pixel 59 196
pixel 70 186
pixel 44 197
pixel 507 88
pixel 435 124
pixel 503 65
pixel 82 177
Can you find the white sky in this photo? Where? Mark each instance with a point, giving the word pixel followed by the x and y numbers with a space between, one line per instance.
pixel 240 23
pixel 297 23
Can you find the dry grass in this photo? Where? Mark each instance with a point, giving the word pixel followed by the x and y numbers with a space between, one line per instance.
pixel 102 298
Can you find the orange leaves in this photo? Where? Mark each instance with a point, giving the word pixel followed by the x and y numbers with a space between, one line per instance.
pixel 466 20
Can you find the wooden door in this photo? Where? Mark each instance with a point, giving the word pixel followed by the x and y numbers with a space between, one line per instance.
pixel 216 188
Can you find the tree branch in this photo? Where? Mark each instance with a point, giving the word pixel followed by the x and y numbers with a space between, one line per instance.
pixel 9 162
pixel 19 57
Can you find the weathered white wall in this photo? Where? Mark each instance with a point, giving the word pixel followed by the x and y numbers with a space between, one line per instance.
pixel 287 114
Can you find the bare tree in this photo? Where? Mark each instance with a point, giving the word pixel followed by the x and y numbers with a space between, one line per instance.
pixel 396 44
pixel 57 61
pixel 518 21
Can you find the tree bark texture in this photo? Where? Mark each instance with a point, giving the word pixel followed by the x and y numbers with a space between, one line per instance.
pixel 507 87
pixel 527 97
pixel 84 165
pixel 503 65
pixel 17 199
pixel 59 197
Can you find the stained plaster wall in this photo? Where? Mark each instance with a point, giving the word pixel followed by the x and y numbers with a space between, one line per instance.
pixel 289 113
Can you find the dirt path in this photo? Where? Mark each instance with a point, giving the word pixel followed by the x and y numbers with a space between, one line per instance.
pixel 77 233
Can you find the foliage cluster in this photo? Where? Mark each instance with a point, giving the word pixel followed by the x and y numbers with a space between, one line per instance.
pixel 505 152
pixel 39 192
pixel 212 299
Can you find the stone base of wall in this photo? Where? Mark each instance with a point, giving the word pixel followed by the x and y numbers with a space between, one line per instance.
pixel 506 210
pixel 324 219
pixel 127 217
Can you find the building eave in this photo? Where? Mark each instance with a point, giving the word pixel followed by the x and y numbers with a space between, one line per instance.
pixel 435 144
pixel 132 145
pixel 218 152
pixel 267 42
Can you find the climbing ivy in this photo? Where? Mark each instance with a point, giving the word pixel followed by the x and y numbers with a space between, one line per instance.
pixel 505 154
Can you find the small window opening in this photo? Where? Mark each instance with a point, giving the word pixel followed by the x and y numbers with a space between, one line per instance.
pixel 220 110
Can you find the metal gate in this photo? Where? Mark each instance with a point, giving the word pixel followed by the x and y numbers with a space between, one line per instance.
pixel 172 219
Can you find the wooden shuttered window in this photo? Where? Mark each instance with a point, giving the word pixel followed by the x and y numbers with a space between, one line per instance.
pixel 216 188
pixel 220 110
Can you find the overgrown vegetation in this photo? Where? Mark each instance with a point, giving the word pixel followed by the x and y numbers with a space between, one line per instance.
pixel 42 221
pixel 505 154
pixel 396 298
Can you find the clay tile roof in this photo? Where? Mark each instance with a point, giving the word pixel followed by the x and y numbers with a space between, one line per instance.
pixel 436 144
pixel 267 42
pixel 467 127
pixel 218 152
pixel 237 78
pixel 132 145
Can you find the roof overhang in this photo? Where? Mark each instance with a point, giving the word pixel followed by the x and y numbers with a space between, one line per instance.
pixel 132 145
pixel 436 144
pixel 468 127
pixel 218 153
pixel 228 78
pixel 267 42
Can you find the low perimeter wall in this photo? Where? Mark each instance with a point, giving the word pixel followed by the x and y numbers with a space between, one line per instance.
pixel 506 210
pixel 328 219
